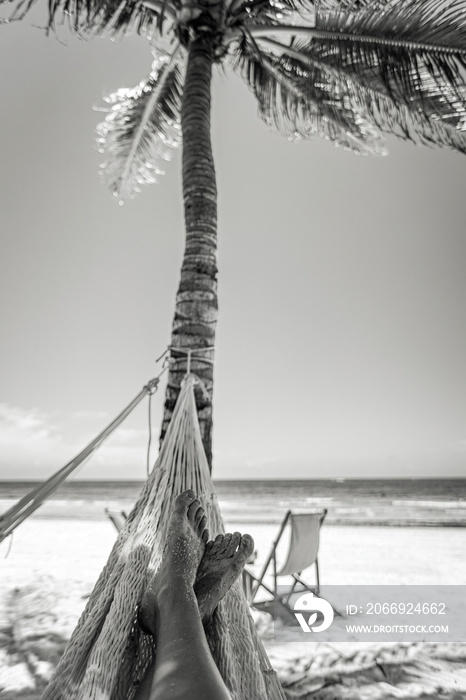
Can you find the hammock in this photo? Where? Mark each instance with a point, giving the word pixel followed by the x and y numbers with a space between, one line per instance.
pixel 108 655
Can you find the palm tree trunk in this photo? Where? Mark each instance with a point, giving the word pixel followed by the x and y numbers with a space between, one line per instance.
pixel 196 300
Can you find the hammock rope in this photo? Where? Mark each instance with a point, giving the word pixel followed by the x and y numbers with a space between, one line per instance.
pixel 38 495
pixel 186 355
pixel 108 655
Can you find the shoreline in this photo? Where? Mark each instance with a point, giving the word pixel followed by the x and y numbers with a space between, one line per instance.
pixel 329 522
pixel 364 515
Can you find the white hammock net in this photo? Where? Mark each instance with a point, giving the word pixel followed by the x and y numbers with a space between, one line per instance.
pixel 107 655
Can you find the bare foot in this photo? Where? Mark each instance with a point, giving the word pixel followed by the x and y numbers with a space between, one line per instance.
pixel 222 563
pixel 187 537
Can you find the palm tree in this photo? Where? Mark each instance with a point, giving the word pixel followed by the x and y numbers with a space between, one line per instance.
pixel 347 70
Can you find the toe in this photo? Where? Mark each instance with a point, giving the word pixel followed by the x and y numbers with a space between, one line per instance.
pixel 198 517
pixel 225 544
pixel 246 547
pixel 217 543
pixel 183 501
pixel 202 524
pixel 233 544
pixel 192 510
pixel 205 537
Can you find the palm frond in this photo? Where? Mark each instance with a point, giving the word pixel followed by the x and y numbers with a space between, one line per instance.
pixel 142 127
pixel 279 11
pixel 301 101
pixel 96 17
pixel 344 4
pixel 413 51
pixel 378 108
pixel 395 118
pixel 259 11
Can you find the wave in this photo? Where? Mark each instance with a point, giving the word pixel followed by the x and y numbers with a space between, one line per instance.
pixel 431 504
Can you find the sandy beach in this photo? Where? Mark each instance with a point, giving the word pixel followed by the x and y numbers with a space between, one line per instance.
pixel 50 567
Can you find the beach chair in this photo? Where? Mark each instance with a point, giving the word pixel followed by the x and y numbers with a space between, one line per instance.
pixel 118 518
pixel 302 553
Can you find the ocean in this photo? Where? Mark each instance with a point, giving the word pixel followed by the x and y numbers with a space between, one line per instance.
pixel 389 502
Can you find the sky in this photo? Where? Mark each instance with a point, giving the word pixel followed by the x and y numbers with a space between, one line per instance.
pixel 341 338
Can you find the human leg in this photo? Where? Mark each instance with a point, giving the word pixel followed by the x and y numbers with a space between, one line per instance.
pixel 176 606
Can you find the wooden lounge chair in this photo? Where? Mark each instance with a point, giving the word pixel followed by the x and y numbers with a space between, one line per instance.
pixel 302 553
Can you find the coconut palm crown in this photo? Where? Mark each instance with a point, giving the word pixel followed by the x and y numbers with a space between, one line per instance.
pixel 349 71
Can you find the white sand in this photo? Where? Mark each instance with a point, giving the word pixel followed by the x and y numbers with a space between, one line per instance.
pixel 68 554
pixel 71 549
pixel 376 555
pixel 78 549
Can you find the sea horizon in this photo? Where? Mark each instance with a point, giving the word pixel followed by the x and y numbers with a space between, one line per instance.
pixel 391 502
pixel 251 479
